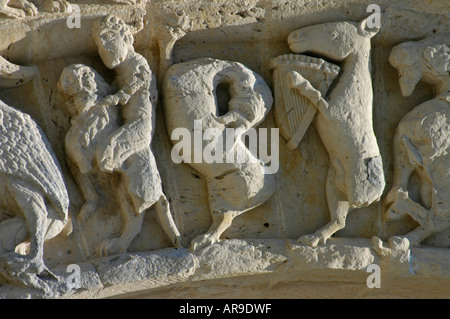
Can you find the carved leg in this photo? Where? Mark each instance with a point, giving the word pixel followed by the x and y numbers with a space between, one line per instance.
pixel 220 222
pixel 87 186
pixel 35 214
pixel 131 226
pixel 162 208
pixel 57 6
pixel 405 205
pixel 405 163
pixel 414 237
pixel 11 12
pixel 13 231
pixel 24 5
pixel 339 209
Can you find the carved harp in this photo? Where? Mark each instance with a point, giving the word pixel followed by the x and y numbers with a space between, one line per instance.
pixel 294 112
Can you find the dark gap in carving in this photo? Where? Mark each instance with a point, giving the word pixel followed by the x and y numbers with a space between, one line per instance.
pixel 223 97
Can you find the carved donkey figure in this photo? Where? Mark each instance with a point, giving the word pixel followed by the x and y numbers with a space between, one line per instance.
pixel 344 119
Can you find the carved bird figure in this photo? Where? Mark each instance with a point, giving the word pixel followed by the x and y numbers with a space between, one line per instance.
pixel 33 197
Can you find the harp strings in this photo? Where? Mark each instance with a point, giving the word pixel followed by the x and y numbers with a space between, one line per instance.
pixel 295 104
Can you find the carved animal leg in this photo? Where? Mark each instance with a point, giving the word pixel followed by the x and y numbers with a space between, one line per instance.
pixel 220 222
pixel 403 170
pixel 162 208
pixel 90 195
pixel 13 231
pixel 10 12
pixel 25 5
pixel 405 205
pixel 131 226
pixel 35 214
pixel 423 216
pixel 56 6
pixel 339 208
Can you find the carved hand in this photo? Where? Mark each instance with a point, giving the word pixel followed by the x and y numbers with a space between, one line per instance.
pixel 297 81
pixel 233 119
pixel 110 100
pixel 107 160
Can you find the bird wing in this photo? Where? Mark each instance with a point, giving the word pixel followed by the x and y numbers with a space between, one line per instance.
pixel 26 153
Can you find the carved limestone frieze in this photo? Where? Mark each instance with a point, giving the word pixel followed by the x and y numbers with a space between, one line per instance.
pixel 140 149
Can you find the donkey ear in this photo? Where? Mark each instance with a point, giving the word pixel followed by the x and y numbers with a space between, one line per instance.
pixel 369 26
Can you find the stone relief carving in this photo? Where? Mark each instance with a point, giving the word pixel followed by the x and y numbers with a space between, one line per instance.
pixel 117 148
pixel 124 149
pixel 190 95
pixel 35 201
pixel 20 8
pixel 344 119
pixel 422 140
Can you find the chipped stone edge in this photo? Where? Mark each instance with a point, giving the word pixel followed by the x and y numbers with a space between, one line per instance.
pixel 344 259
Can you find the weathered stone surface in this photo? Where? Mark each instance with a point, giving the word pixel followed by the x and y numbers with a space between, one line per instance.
pixel 91 93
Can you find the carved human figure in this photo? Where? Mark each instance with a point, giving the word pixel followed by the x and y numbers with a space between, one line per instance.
pixel 34 201
pixel 234 187
pixel 127 150
pixel 344 119
pixel 18 8
pixel 422 140
pixel 91 125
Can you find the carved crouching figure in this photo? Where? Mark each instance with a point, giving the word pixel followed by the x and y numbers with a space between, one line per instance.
pixel 422 140
pixel 190 95
pixel 34 201
pixel 344 119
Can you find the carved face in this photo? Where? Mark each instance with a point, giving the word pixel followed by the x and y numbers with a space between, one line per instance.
pixel 334 40
pixel 78 83
pixel 112 47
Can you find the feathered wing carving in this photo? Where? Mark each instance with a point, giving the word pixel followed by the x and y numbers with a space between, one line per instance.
pixel 25 153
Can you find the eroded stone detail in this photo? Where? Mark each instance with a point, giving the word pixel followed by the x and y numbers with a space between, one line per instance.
pixel 344 119
pixel 82 195
pixel 190 95
pixel 422 140
pixel 34 201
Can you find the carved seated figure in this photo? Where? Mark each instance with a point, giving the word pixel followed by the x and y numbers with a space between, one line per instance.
pixel 422 140
pixel 92 124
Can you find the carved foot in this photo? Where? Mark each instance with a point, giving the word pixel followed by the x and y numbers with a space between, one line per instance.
pixel 312 240
pixel 203 241
pixel 57 6
pixel 178 243
pixel 378 247
pixel 399 243
pixel 13 264
pixel 12 13
pixel 110 247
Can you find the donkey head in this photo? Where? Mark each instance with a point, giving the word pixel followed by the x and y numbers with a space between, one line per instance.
pixel 334 40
